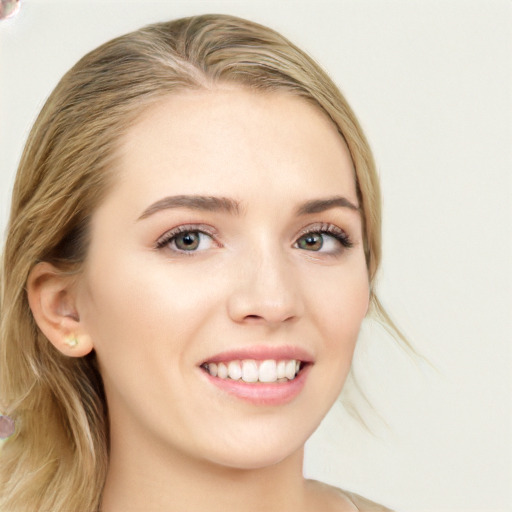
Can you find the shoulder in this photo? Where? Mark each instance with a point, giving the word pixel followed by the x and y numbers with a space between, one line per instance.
pixel 338 500
pixel 364 504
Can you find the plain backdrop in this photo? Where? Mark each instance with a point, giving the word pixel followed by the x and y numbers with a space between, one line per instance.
pixel 431 82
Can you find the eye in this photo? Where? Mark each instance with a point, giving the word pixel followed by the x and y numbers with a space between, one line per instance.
pixel 326 238
pixel 186 239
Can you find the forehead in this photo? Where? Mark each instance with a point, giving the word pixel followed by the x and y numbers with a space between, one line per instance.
pixel 232 141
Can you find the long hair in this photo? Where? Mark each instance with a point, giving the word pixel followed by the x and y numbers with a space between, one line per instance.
pixel 57 459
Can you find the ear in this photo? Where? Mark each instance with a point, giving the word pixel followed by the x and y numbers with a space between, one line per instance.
pixel 52 299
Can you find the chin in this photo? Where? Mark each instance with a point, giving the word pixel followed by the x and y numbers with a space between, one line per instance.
pixel 257 458
pixel 260 449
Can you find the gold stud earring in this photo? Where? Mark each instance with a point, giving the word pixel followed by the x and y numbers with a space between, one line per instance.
pixel 72 341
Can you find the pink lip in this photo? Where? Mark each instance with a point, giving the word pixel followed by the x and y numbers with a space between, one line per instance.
pixel 262 352
pixel 258 393
pixel 275 393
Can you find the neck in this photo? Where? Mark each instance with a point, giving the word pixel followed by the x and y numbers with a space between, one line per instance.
pixel 159 479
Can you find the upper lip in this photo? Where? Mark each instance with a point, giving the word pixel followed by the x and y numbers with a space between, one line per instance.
pixel 261 353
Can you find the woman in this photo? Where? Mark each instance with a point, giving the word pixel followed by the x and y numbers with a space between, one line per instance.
pixel 194 236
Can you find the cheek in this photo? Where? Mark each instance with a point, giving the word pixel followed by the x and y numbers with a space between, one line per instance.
pixel 341 304
pixel 338 307
pixel 142 321
pixel 140 306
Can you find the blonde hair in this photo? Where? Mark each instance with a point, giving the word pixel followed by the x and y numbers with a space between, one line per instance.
pixel 57 459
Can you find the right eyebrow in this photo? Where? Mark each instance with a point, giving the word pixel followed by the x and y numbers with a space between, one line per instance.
pixel 193 202
pixel 321 205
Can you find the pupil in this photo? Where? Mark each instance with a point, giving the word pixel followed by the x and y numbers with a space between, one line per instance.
pixel 188 241
pixel 313 241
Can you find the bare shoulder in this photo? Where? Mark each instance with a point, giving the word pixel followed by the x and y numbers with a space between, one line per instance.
pixel 334 499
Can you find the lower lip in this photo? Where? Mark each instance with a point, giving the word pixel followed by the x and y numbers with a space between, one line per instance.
pixel 275 393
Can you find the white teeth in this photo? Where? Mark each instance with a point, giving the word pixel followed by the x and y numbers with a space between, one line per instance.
pixel 290 370
pixel 222 371
pixel 268 371
pixel 281 369
pixel 250 371
pixel 234 370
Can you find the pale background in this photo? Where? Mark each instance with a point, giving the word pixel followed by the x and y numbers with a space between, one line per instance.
pixel 431 82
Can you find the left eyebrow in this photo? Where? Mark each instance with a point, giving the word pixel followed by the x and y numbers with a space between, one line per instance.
pixel 321 205
pixel 202 203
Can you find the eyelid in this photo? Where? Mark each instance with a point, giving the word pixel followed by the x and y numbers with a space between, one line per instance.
pixel 319 227
pixel 164 239
pixel 322 227
pixel 331 230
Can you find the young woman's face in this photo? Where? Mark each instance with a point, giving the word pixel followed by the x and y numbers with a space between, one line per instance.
pixel 231 243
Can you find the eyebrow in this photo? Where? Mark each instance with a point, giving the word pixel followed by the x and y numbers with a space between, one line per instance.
pixel 202 203
pixel 321 205
pixel 228 205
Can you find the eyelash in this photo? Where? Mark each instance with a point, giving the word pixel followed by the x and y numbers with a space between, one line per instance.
pixel 168 237
pixel 329 229
pixel 320 229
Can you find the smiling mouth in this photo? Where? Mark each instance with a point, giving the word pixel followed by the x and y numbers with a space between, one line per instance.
pixel 252 371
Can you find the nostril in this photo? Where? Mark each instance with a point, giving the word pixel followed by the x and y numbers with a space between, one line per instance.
pixel 266 319
pixel 257 305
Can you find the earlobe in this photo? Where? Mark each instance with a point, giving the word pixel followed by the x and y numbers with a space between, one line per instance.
pixel 52 299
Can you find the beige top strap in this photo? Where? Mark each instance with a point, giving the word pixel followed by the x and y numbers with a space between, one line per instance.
pixel 365 505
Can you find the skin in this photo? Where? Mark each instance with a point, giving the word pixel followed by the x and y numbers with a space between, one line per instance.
pixel 153 315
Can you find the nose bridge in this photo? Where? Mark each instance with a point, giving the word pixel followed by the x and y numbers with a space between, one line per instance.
pixel 266 287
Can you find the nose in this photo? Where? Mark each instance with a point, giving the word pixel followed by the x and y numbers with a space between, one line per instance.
pixel 265 290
